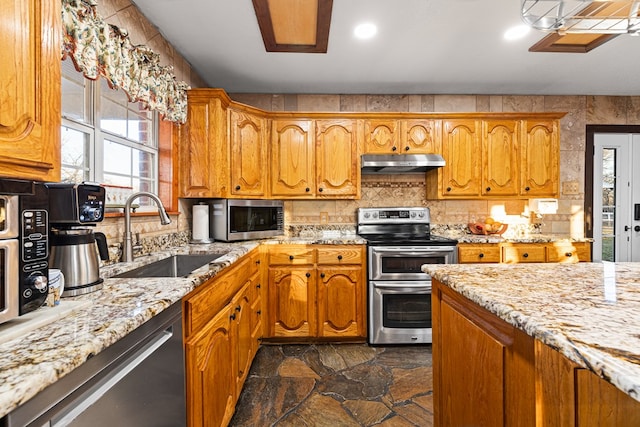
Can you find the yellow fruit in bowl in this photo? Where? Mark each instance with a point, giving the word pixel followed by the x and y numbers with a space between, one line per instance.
pixel 488 227
pixel 489 220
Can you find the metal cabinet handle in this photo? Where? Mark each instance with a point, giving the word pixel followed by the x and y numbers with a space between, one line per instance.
pixel 308 274
pixel 481 255
pixel 525 255
pixel 259 312
pixel 322 275
pixel 339 257
pixel 320 189
pixel 527 188
pixel 258 262
pixel 636 228
pixel 568 254
pixel 407 148
pixel 307 189
pixel 258 286
pixel 448 188
pixel 238 308
pixel 291 257
pixel 394 148
pixel 233 316
pixel 488 189
pixel 237 187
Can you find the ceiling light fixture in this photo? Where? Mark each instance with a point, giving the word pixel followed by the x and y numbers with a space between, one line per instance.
pixel 365 31
pixel 582 16
pixel 517 32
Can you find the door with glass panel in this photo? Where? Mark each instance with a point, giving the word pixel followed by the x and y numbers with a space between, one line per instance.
pixel 616 197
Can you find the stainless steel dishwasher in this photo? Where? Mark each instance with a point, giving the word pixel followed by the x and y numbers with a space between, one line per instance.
pixel 136 382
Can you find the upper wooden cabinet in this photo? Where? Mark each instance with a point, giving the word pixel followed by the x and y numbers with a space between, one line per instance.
pixel 461 149
pixel 30 111
pixel 540 165
pixel 204 157
pixel 292 158
pixel 337 159
pixel 402 136
pixel 502 157
pixel 315 159
pixel 247 133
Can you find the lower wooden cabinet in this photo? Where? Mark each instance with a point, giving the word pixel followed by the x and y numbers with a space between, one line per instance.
pixel 489 373
pixel 222 329
pixel 508 252
pixel 317 291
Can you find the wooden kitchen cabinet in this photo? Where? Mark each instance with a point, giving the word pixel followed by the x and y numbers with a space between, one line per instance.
pixel 30 105
pixel 500 160
pixel 315 159
pixel 540 163
pixel 337 159
pixel 461 149
pixel 203 148
pixel 381 136
pixel 221 335
pixel 292 158
pixel 316 291
pixel 341 287
pixel 210 376
pixel 569 395
pixel 420 136
pixel 478 253
pixel 509 252
pixel 249 157
pixel 483 367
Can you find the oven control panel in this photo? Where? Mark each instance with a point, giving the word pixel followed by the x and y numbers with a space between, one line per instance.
pixel 393 215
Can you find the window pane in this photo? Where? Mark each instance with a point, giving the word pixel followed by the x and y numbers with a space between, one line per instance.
pixel 113 117
pixel 140 126
pixel 143 164
pixel 608 203
pixel 75 155
pixel 74 91
pixel 117 158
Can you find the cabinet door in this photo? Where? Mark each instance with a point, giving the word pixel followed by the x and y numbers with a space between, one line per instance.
pixel 420 136
pixel 257 287
pixel 337 160
pixel 341 301
pixel 540 170
pixel 248 154
pixel 210 379
pixel 483 367
pixel 461 150
pixel 30 89
pixel 204 163
pixel 241 333
pixel 292 310
pixel 381 136
pixel 292 159
pixel 500 158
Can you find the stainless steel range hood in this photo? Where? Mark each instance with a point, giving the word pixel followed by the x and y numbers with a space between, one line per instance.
pixel 400 163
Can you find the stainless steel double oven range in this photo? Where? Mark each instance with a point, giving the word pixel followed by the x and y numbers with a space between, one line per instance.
pixel 399 242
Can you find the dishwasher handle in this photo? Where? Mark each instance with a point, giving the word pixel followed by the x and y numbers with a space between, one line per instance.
pixel 111 380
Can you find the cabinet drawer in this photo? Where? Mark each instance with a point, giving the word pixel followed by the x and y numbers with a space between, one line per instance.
pixel 478 253
pixel 569 252
pixel 523 253
pixel 340 255
pixel 291 255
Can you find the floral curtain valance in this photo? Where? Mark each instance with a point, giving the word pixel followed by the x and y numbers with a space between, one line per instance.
pixel 100 49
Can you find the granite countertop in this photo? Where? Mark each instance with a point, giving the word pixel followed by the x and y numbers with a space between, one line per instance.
pixel 590 312
pixel 525 238
pixel 37 359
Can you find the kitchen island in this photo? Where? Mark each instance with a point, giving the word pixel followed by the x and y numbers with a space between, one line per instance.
pixel 547 334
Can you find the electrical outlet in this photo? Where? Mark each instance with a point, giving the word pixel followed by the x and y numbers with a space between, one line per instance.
pixel 324 218
pixel 570 187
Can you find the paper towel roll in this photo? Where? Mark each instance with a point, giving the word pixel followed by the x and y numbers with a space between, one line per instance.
pixel 201 223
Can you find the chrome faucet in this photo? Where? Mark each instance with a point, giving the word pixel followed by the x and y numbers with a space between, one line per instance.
pixel 127 246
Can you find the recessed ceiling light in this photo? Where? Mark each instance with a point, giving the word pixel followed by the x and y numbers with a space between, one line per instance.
pixel 365 31
pixel 517 32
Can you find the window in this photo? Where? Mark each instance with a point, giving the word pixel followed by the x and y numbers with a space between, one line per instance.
pixel 106 138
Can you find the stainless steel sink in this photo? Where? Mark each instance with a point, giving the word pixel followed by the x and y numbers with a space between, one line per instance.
pixel 174 266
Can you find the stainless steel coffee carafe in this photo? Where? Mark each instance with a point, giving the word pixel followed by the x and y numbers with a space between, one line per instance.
pixel 77 252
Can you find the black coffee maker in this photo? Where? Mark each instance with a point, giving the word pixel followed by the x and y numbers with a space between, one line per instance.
pixel 74 209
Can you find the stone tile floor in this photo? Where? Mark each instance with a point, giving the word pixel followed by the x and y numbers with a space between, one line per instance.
pixel 338 385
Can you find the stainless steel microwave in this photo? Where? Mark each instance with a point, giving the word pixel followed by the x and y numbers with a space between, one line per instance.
pixel 245 219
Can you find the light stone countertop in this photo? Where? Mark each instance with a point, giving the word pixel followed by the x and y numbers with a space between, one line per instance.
pixel 31 363
pixel 590 312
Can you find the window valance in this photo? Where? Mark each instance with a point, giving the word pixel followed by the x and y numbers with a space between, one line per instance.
pixel 101 49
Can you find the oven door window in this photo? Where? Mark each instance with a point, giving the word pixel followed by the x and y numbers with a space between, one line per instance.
pixel 409 264
pixel 243 219
pixel 406 311
pixel 3 279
